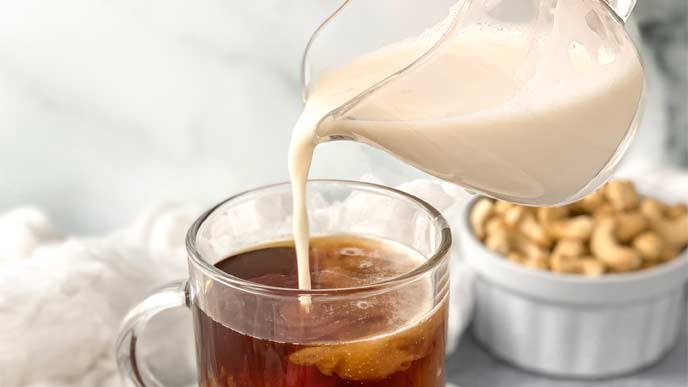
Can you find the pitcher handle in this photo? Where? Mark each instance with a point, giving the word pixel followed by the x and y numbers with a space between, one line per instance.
pixel 132 370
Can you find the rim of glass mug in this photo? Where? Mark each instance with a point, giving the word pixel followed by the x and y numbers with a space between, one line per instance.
pixel 218 275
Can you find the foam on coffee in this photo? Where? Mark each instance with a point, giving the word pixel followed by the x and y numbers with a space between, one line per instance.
pixel 338 262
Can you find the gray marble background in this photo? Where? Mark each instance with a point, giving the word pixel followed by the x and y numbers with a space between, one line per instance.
pixel 110 107
pixel 664 25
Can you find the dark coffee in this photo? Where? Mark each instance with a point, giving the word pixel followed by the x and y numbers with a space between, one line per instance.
pixel 367 343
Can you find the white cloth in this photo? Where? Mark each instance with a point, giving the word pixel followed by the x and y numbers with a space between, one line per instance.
pixel 62 299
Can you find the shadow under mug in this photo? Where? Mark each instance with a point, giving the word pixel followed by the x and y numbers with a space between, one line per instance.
pixel 238 324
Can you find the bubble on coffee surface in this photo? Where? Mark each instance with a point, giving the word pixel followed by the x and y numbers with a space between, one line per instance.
pixel 349 261
pixel 351 251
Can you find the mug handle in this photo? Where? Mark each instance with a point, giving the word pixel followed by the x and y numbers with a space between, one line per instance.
pixel 173 295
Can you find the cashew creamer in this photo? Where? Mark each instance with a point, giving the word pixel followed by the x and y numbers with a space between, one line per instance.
pixel 489 109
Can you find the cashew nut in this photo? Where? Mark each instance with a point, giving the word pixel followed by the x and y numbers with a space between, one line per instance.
pixel 513 216
pixel 560 264
pixel 530 249
pixel 497 236
pixel 604 246
pixel 673 232
pixel 480 213
pixel 502 207
pixel 540 263
pixel 569 248
pixel 622 195
pixel 530 228
pixel 579 227
pixel 629 225
pixel 677 211
pixel 496 226
pixel 591 202
pixel 649 264
pixel 649 245
pixel 668 253
pixel 550 214
pixel 587 265
pixel 652 209
pixel 592 267
pixel 516 257
pixel 605 209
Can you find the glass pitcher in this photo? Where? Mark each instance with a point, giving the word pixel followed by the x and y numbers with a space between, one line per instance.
pixel 533 102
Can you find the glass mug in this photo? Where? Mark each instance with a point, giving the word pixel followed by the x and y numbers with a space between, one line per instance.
pixel 244 335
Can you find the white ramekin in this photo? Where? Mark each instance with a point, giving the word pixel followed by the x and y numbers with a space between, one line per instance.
pixel 574 326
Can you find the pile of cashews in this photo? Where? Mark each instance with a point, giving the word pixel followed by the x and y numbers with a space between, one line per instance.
pixel 612 230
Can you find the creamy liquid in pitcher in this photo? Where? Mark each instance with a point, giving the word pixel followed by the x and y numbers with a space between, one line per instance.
pixel 481 116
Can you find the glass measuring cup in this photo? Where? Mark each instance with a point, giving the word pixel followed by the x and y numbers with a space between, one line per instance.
pixel 542 100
